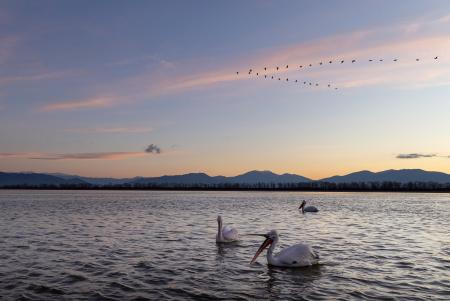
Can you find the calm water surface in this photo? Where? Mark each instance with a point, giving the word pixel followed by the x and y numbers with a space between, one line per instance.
pixel 99 245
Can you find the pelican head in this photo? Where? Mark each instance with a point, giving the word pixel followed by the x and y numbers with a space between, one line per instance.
pixel 302 205
pixel 271 237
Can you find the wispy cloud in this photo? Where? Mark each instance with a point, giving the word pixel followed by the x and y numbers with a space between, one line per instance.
pixel 89 156
pixel 415 156
pixel 47 75
pixel 422 39
pixel 425 42
pixel 143 59
pixel 151 149
pixel 96 102
pixel 113 130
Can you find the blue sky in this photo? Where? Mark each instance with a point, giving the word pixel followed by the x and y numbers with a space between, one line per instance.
pixel 86 86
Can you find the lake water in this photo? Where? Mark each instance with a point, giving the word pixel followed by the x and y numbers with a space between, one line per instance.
pixel 149 245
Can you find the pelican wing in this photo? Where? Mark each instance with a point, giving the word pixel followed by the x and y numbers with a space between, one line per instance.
pixel 311 209
pixel 230 233
pixel 298 255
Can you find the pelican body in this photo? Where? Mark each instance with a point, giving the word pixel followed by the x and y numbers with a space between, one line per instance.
pixel 227 233
pixel 307 209
pixel 299 255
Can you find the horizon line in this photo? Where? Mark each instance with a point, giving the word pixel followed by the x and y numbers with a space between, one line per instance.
pixel 199 172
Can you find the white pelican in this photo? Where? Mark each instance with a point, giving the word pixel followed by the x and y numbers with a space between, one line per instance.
pixel 299 255
pixel 307 209
pixel 227 233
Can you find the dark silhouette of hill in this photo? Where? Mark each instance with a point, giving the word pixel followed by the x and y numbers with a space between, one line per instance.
pixel 391 175
pixel 33 179
pixel 253 179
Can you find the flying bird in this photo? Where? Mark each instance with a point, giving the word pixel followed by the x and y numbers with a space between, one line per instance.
pixel 317 85
pixel 435 57
pixel 370 60
pixel 417 60
pixel 237 72
pixel 227 233
pixel 304 83
pixel 278 67
pixel 353 61
pixel 381 60
pixel 320 63
pixel 342 61
pixel 287 66
pixel 279 78
pixel 329 85
pixel 307 209
pixel 265 68
pixel 287 79
pixel 299 255
pixel 310 65
pixel 395 60
pixel 330 62
pixel 257 73
pixel 265 76
pixel 295 80
pixel 272 77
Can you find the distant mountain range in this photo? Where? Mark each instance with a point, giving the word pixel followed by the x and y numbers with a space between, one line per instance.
pixel 252 177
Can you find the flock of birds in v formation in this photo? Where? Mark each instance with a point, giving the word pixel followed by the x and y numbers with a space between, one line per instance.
pixel 302 67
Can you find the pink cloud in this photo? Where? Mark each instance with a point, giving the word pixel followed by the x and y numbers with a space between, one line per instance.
pixel 38 76
pixel 96 102
pixel 115 130
pixel 76 156
pixel 150 149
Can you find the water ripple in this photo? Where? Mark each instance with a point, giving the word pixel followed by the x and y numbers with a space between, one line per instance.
pixel 137 245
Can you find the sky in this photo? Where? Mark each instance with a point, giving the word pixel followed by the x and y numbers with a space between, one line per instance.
pixel 149 88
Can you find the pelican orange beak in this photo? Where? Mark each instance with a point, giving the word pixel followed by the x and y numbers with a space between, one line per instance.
pixel 264 245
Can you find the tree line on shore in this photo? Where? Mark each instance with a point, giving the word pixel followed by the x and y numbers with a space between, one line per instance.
pixel 301 186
